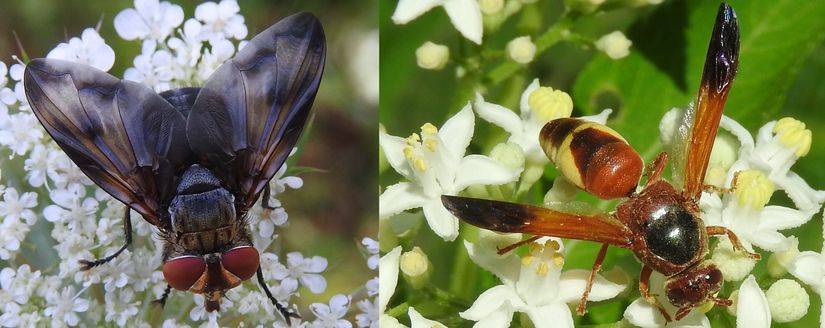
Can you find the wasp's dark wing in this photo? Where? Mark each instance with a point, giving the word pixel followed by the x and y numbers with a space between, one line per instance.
pixel 701 122
pixel 250 113
pixel 121 134
pixel 512 217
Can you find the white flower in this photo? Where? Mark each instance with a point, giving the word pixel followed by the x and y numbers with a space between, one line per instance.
pixel 435 165
pixel 388 278
pixel 752 310
pixel 90 49
pixel 419 321
pixel 155 68
pixel 18 285
pixel 779 144
pixel 23 133
pixel 15 206
pixel 533 284
pixel 221 51
pixel 221 20
pixel 372 248
pixel 464 14
pixel 332 315
pixel 369 313
pixel 305 270
pixel 188 47
pixel 614 44
pixel 149 20
pixel 64 306
pixel 521 49
pixel 363 65
pixel 432 56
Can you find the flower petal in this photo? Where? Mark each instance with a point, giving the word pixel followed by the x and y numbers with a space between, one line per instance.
pixel 555 315
pixel 499 115
pixel 642 314
pixel 752 309
pixel 780 218
pixel 808 267
pixel 505 268
pixel 457 132
pixel 387 280
pixel 393 148
pixel 770 240
pixel 524 105
pixel 400 197
pixel 419 321
pixel 497 299
pixel 408 10
pixel 479 169
pixel 572 284
pixel 443 223
pixel 802 195
pixel 466 17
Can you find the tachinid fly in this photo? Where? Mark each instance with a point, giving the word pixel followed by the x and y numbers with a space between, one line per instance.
pixel 191 161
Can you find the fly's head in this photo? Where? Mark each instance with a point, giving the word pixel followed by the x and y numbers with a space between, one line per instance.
pixel 209 250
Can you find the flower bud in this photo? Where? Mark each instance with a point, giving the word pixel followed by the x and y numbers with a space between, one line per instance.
pixel 734 264
pixel 521 50
pixel 490 7
pixel 432 56
pixel 787 300
pixel 778 261
pixel 415 267
pixel 614 44
pixel 549 104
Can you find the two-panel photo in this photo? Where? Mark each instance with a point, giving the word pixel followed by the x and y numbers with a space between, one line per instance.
pixel 412 163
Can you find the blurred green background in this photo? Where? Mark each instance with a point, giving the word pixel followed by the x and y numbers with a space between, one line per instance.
pixel 781 73
pixel 336 207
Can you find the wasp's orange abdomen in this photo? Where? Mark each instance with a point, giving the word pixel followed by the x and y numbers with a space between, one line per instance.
pixel 592 156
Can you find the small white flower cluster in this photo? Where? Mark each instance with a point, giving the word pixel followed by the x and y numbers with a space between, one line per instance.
pixel 87 223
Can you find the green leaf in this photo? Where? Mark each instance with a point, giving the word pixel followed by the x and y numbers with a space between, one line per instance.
pixel 665 64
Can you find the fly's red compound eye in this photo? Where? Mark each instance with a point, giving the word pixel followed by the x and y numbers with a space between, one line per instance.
pixel 182 272
pixel 242 261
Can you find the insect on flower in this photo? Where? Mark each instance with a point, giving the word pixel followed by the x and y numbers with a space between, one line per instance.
pixel 191 161
pixel 660 223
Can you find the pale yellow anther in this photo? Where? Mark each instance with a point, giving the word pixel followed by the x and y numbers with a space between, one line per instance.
pixel 793 134
pixel 420 164
pixel 542 269
pixel 555 244
pixel 526 260
pixel 413 139
pixel 753 189
pixel 558 259
pixel 535 248
pixel 548 104
pixel 428 128
pixel 431 144
pixel 408 152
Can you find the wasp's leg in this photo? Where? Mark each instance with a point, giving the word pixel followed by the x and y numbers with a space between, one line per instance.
pixel 284 311
pixel 644 289
pixel 737 245
pixel 127 227
pixel 505 250
pixel 582 309
pixel 654 171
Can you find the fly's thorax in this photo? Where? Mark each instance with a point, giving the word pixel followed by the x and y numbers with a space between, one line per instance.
pixel 203 212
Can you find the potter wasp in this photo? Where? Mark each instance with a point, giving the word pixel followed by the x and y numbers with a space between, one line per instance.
pixel 660 223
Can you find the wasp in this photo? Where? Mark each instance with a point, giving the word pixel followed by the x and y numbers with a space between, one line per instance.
pixel 192 161
pixel 661 222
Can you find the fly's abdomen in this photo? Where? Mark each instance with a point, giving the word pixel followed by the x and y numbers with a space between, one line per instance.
pixel 592 156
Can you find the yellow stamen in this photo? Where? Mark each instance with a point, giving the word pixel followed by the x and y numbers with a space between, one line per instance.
pixel 413 139
pixel 420 164
pixel 793 134
pixel 408 152
pixel 428 128
pixel 753 189
pixel 558 259
pixel 431 144
pixel 526 260
pixel 548 104
pixel 542 269
pixel 555 244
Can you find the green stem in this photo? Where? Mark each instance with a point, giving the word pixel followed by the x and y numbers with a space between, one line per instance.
pixel 543 42
pixel 398 310
pixel 463 275
pixel 443 295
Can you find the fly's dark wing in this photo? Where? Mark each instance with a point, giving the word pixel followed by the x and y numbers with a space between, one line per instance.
pixel 249 114
pixel 121 134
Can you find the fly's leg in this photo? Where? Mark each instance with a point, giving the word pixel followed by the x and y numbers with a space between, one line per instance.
pixel 127 227
pixel 283 310
pixel 582 309
pixel 644 289
pixel 162 300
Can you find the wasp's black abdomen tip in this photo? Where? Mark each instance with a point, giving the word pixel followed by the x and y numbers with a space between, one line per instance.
pixel 723 51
